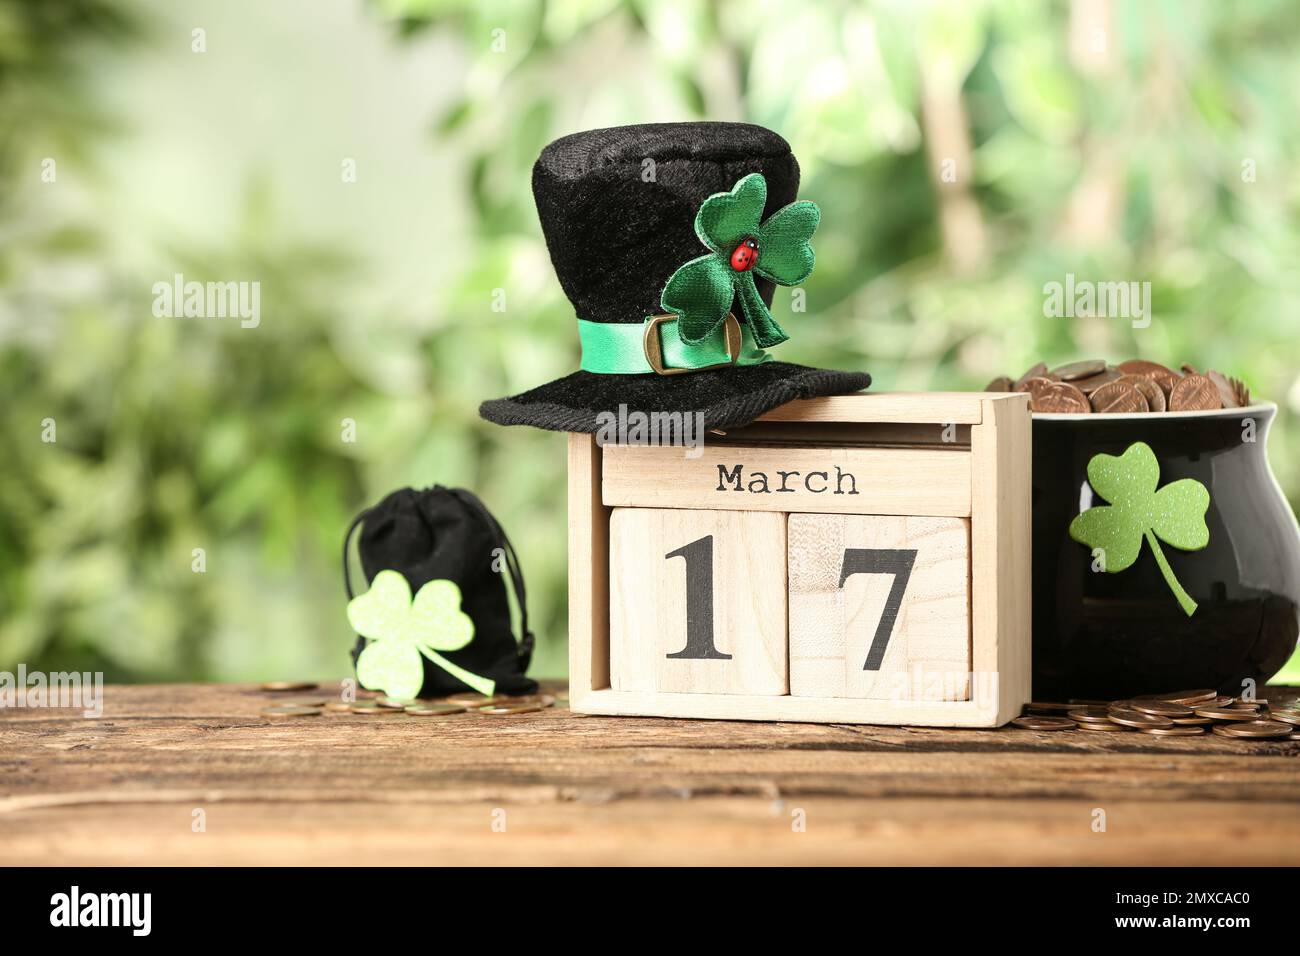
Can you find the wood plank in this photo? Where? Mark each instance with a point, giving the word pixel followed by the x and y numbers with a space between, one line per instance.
pixel 601 791
pixel 588 569
pixel 1000 545
pixel 704 828
pixel 921 601
pixel 979 711
pixel 765 478
pixel 940 408
pixel 846 434
pixel 697 602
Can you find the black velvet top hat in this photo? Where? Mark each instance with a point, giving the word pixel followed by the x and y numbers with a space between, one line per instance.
pixel 669 240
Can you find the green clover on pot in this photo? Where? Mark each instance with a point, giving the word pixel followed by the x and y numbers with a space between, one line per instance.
pixel 700 293
pixel 399 629
pixel 1174 514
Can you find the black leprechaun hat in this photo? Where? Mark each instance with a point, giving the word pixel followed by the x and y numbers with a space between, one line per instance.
pixel 669 239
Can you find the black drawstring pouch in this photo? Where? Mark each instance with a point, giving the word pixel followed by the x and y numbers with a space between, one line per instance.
pixel 448 534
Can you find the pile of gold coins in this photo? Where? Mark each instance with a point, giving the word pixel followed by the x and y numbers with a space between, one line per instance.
pixel 1136 386
pixel 370 704
pixel 1187 713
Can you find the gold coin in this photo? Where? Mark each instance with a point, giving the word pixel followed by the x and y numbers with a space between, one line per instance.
pixel 544 700
pixel 1166 378
pixel 1077 370
pixel 1239 391
pixel 1117 398
pixel 396 703
pixel 1153 393
pixel 1285 716
pixel 1095 715
pixel 433 710
pixel 288 685
pixel 469 700
pixel 1093 382
pixel 1191 721
pixel 288 711
pixel 368 708
pixel 1058 398
pixel 1184 697
pixel 1194 393
pixel 1044 723
pixel 1173 731
pixel 1161 708
pixel 1135 718
pixel 1227 713
pixel 1108 726
pixel 1257 729
pixel 504 710
pixel 1033 385
pixel 1227 392
pixel 338 707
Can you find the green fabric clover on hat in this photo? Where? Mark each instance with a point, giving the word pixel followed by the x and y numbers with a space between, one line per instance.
pixel 701 291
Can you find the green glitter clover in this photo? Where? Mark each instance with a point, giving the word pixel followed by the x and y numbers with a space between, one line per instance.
pixel 399 629
pixel 1174 514
pixel 700 293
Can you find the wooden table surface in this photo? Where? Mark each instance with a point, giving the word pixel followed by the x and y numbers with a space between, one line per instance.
pixel 557 787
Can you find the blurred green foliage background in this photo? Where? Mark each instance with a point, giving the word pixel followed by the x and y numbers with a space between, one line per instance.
pixel 1115 139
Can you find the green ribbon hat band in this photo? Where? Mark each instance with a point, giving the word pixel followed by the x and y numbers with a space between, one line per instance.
pixel 697 299
pixel 619 348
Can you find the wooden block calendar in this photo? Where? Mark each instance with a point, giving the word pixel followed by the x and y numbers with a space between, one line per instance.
pixel 856 559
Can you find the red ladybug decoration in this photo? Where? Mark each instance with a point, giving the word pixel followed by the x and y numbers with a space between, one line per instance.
pixel 745 255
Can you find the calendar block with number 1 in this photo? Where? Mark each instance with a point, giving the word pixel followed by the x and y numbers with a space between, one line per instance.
pixel 860 559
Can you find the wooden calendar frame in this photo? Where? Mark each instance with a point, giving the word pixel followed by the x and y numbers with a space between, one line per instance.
pixel 996 500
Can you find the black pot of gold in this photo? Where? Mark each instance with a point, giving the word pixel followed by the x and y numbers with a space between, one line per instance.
pixel 1165 555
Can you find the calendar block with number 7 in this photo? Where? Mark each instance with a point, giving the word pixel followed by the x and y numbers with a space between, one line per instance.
pixel 879 606
pixel 857 559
